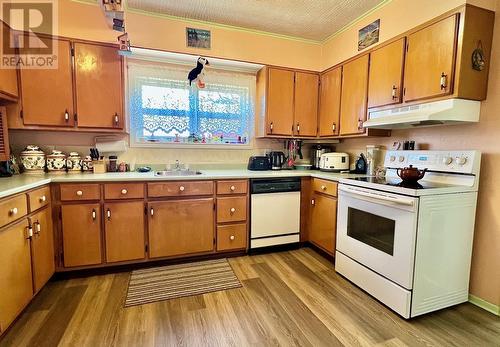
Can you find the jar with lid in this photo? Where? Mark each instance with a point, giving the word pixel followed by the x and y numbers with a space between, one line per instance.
pixel 113 163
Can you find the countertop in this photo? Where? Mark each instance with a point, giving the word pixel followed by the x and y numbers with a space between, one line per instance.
pixel 19 183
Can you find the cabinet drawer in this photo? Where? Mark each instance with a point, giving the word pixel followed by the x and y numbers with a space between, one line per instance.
pixel 324 186
pixel 231 236
pixel 123 191
pixel 180 188
pixel 231 209
pixel 39 198
pixel 12 209
pixel 232 187
pixel 80 192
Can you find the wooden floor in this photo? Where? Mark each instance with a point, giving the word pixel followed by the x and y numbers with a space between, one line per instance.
pixel 288 298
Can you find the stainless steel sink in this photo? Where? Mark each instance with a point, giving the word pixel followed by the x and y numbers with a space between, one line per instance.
pixel 177 173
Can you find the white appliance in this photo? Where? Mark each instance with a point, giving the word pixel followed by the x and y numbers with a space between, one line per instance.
pixel 334 161
pixel 275 212
pixel 410 245
pixel 451 111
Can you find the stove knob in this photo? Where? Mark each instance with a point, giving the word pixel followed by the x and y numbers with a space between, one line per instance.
pixel 401 158
pixel 447 160
pixel 461 160
pixel 392 158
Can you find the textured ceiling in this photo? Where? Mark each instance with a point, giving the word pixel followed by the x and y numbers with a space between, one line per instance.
pixel 308 19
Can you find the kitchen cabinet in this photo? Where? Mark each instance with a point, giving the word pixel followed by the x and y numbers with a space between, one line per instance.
pixel 13 208
pixel 42 244
pixel 354 96
pixel 231 237
pixel 181 227
pixel 385 83
pixel 98 86
pixel 323 221
pixel 329 102
pixel 16 288
pixel 306 104
pixel 124 230
pixel 81 234
pixel 8 78
pixel 4 136
pixel 47 94
pixel 430 59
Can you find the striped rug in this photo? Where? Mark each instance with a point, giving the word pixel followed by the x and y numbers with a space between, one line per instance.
pixel 175 281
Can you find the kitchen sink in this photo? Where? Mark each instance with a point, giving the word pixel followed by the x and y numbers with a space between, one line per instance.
pixel 177 173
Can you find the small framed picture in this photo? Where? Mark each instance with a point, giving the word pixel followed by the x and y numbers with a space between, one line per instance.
pixel 198 38
pixel 368 35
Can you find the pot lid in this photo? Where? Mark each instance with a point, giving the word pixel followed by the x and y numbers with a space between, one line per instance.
pixel 32 150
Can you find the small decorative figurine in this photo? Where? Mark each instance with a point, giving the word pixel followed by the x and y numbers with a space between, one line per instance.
pixel 197 75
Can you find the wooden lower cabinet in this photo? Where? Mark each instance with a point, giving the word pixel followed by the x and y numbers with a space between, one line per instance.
pixel 323 225
pixel 124 230
pixel 81 234
pixel 42 245
pixel 178 227
pixel 16 287
pixel 231 237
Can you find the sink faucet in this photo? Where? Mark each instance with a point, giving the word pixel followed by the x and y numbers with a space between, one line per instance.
pixel 177 165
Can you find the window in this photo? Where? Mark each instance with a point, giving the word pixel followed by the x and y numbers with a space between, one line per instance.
pixel 165 109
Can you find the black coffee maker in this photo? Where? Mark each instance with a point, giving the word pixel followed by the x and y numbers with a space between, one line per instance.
pixel 277 160
pixel 5 170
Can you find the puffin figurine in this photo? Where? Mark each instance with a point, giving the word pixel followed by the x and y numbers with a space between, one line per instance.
pixel 197 75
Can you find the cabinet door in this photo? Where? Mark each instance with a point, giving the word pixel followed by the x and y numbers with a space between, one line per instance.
pixel 280 102
pixel 180 227
pixel 386 74
pixel 99 86
pixel 15 272
pixel 8 77
pixel 354 96
pixel 81 230
pixel 43 247
pixel 4 136
pixel 306 104
pixel 323 222
pixel 430 60
pixel 47 94
pixel 329 102
pixel 124 228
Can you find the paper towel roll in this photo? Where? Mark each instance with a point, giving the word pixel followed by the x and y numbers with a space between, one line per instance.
pixel 112 146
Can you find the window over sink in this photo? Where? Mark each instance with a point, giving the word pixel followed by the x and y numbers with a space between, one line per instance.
pixel 165 110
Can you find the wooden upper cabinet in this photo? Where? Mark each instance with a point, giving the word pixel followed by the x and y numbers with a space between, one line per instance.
pixel 42 247
pixel 354 96
pixel 329 102
pixel 4 136
pixel 124 228
pixel 8 77
pixel 430 60
pixel 47 94
pixel 81 234
pixel 306 104
pixel 280 92
pixel 385 83
pixel 99 86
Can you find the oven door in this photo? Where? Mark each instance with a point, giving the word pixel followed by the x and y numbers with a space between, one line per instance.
pixel 378 230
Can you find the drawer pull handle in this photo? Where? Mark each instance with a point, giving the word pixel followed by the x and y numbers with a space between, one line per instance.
pixel 334 127
pixel 66 116
pixel 43 198
pixel 323 187
pixel 233 188
pixel 231 237
pixel 109 214
pixel 13 211
pixel 313 202
pixel 79 193
pixel 116 119
pixel 152 211
pixel 443 81
pixel 181 188
pixel 124 191
pixel 233 210
pixel 94 214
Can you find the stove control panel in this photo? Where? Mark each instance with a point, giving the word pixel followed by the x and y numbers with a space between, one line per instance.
pixel 444 161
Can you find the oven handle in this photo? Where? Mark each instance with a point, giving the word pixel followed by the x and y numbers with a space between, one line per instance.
pixel 400 201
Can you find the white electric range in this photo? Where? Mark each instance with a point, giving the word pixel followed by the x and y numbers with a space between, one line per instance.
pixel 410 246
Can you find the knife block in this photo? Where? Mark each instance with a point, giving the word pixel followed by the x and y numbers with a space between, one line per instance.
pixel 99 166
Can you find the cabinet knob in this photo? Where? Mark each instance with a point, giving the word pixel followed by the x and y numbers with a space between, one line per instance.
pixel 233 210
pixel 271 127
pixel 334 127
pixel 43 198
pixel 79 193
pixel 298 127
pixel 232 188
pixel 360 124
pixel 124 191
pixel 443 81
pixel 66 116
pixel 323 187
pixel 232 237
pixel 313 202
pixel 13 211
pixel 181 188
pixel 394 92
pixel 94 214
pixel 116 119
pixel 152 212
pixel 108 212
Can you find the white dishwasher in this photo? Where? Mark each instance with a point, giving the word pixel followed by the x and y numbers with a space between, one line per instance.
pixel 274 212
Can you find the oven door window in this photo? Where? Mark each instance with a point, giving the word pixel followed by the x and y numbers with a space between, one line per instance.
pixel 373 230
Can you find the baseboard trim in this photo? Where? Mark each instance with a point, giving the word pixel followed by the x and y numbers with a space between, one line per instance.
pixel 485 305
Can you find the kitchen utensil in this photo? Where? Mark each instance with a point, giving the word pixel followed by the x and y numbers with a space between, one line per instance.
pixel 334 161
pixel 33 160
pixel 411 174
pixel 259 163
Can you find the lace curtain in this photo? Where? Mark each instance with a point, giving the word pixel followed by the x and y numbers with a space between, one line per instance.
pixel 164 108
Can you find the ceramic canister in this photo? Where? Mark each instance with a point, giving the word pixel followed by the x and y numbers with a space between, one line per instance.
pixel 33 160
pixel 87 165
pixel 74 163
pixel 56 162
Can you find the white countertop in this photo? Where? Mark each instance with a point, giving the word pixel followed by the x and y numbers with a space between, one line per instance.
pixel 20 183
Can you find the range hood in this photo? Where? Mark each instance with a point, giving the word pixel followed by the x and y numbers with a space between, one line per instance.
pixel 450 111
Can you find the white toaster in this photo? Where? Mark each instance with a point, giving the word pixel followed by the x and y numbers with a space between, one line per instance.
pixel 334 161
